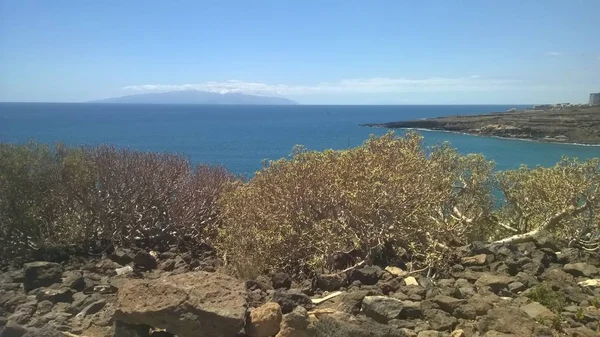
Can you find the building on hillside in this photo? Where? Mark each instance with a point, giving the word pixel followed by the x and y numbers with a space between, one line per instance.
pixel 542 107
pixel 595 98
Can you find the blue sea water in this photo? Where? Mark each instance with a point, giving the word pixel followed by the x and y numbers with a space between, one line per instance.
pixel 241 137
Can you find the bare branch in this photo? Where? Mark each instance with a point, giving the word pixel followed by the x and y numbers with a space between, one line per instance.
pixel 548 224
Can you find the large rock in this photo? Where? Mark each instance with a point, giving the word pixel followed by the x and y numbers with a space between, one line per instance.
pixel 296 324
pixel 281 280
pixel 581 269
pixel 196 304
pixel 382 308
pixel 41 274
pixel 290 299
pixel 331 282
pixel 24 312
pixel 340 324
pixel 447 303
pixel 144 260
pixel 92 308
pixel 368 275
pixel 264 321
pixel 122 256
pixel 537 311
pixel 12 329
pixel 511 321
pixel 439 320
pixel 494 282
pixel 55 295
pixel 74 280
pixel 11 299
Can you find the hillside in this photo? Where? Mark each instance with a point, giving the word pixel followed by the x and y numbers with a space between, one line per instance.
pixel 581 125
pixel 197 97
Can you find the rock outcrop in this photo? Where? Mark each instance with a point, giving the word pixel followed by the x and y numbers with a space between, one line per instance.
pixel 195 304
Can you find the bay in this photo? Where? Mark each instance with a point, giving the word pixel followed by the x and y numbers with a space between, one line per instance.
pixel 241 137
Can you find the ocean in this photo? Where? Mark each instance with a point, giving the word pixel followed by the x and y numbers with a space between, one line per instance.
pixel 241 137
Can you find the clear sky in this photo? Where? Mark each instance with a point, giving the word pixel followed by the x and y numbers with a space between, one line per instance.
pixel 316 52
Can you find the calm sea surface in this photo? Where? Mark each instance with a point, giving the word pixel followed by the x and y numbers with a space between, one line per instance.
pixel 240 137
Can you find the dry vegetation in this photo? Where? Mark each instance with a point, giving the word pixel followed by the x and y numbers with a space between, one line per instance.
pixel 388 198
pixel 296 213
pixel 93 198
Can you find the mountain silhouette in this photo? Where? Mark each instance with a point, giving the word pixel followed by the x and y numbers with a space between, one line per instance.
pixel 197 97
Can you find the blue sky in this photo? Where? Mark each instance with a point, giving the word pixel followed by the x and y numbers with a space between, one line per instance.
pixel 316 52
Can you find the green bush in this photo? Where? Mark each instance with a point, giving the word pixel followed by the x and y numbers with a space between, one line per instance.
pixel 544 295
pixel 32 198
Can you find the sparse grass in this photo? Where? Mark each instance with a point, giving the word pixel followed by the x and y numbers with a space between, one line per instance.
pixel 547 297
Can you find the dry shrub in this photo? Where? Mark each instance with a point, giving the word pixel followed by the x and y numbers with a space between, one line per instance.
pixel 295 213
pixel 100 197
pixel 152 197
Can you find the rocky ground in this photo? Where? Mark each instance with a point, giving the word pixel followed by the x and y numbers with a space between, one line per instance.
pixel 529 289
pixel 578 125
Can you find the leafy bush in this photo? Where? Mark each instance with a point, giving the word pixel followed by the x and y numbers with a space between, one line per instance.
pixel 31 197
pixel 563 199
pixel 297 212
pixel 98 197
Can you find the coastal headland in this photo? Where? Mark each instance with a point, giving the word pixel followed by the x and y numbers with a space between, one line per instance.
pixel 579 124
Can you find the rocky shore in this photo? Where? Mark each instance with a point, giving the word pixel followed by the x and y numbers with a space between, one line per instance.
pixel 492 290
pixel 577 125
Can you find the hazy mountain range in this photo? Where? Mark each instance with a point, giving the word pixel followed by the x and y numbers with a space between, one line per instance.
pixel 197 97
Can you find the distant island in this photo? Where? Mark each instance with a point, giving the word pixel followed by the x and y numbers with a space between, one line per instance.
pixel 566 124
pixel 197 97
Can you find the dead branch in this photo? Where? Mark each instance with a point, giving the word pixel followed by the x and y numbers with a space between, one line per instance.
pixel 360 264
pixel 548 224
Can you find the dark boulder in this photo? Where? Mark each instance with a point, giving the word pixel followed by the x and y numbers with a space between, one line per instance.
pixel 144 261
pixel 368 275
pixel 281 281
pixel 55 295
pixel 343 325
pixel 41 274
pixel 290 299
pixel 12 329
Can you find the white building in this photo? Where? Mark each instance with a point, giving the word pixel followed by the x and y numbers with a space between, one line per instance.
pixel 595 98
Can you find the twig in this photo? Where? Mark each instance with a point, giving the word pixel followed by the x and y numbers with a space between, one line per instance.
pixel 360 264
pixel 323 299
pixel 417 271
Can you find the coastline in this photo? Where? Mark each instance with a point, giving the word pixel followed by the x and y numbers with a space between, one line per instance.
pixel 491 136
pixel 573 126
